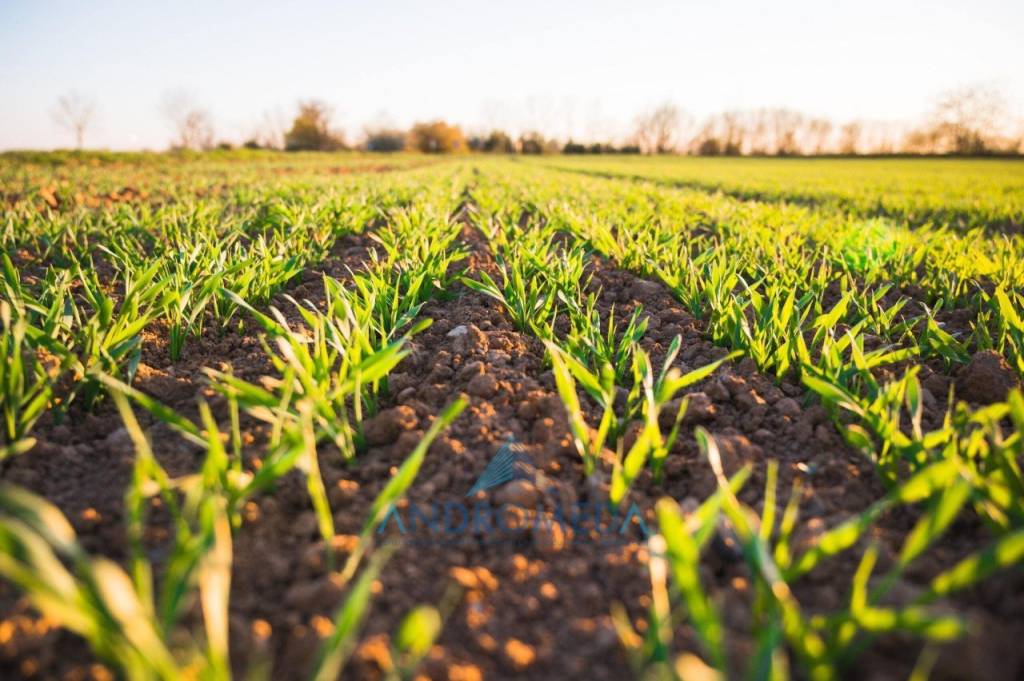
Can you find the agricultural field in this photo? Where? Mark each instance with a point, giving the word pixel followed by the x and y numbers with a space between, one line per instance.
pixel 937 192
pixel 310 416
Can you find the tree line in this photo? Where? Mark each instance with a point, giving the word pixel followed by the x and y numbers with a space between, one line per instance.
pixel 965 121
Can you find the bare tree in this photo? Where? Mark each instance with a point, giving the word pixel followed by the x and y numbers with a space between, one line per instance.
pixel 968 120
pixel 271 130
pixel 817 135
pixel 658 131
pixel 849 138
pixel 74 112
pixel 193 128
pixel 785 124
pixel 734 132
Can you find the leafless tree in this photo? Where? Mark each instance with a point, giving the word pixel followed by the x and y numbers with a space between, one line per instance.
pixel 785 126
pixel 74 112
pixel 818 131
pixel 658 131
pixel 761 140
pixel 271 130
pixel 969 120
pixel 192 125
pixel 849 138
pixel 734 132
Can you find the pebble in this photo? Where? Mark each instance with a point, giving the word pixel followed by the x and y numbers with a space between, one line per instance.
pixel 384 428
pixel 717 392
pixel 520 655
pixel 548 536
pixel 482 385
pixel 520 493
pixel 787 406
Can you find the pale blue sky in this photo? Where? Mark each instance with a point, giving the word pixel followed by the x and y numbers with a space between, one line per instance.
pixel 580 68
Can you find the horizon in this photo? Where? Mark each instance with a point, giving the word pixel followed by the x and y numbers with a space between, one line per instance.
pixel 489 69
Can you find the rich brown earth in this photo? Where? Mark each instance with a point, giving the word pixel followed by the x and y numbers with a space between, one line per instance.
pixel 536 603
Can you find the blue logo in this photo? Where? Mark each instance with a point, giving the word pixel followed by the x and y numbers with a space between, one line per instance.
pixel 510 463
pixel 595 521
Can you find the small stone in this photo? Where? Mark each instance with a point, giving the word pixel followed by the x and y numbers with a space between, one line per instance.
pixel 472 342
pixel 520 493
pixel 717 392
pixel 482 385
pixel 748 399
pixel 699 408
pixel 736 385
pixel 471 369
pixel 642 288
pixel 343 492
pixel 384 428
pixel 520 655
pixel 736 451
pixel 787 406
pixel 498 357
pixel 459 330
pixel 445 447
pixel 548 536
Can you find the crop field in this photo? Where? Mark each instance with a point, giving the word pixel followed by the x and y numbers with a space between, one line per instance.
pixel 310 416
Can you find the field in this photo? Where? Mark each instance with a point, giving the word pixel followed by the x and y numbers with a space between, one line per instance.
pixel 302 416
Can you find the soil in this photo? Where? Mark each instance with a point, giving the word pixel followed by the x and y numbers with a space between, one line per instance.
pixel 535 604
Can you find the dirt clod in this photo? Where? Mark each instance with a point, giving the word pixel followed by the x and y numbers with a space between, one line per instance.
pixel 385 427
pixel 987 378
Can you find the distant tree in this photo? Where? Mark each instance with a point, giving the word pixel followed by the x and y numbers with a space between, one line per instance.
pixel 849 138
pixel 722 134
pixel 968 120
pixel 311 129
pixel 437 137
pixel 74 112
pixel 710 146
pixel 270 132
pixel 577 148
pixel 535 143
pixel 658 131
pixel 193 128
pixel 817 133
pixel 385 139
pixel 733 133
pixel 498 142
pixel 785 125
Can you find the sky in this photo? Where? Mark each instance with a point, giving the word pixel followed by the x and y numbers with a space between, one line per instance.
pixel 583 68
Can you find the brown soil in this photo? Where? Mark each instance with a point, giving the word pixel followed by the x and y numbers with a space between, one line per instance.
pixel 535 605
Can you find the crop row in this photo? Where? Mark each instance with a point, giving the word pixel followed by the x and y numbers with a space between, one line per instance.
pixel 782 320
pixel 962 194
pixel 332 362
